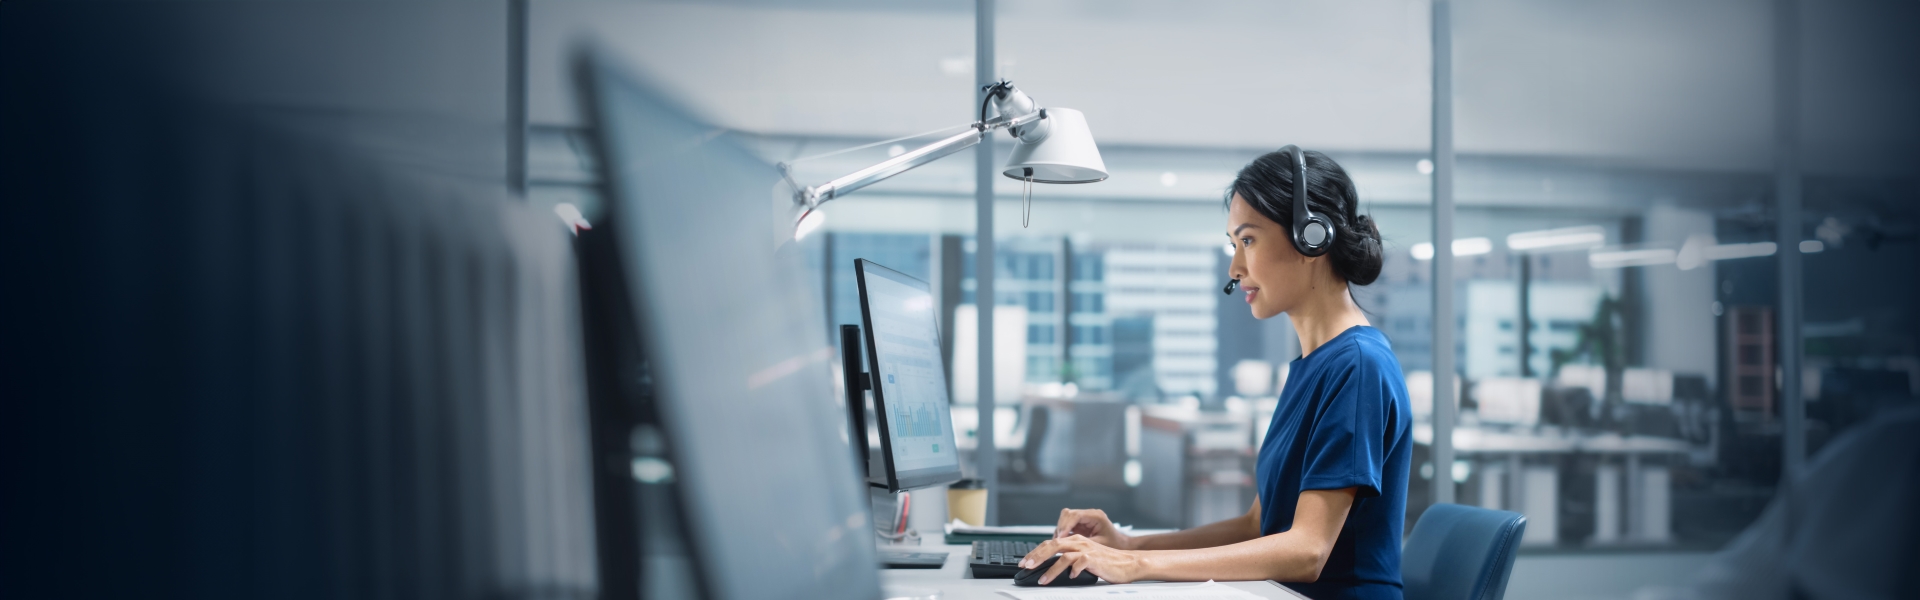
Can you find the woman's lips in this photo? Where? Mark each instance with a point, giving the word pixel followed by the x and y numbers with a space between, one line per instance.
pixel 1251 292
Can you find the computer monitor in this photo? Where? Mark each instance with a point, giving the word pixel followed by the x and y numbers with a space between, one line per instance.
pixel 729 335
pixel 908 379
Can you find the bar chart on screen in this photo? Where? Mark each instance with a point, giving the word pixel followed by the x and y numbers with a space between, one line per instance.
pixel 916 420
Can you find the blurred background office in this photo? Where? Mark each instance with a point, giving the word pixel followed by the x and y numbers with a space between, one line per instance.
pixel 1680 238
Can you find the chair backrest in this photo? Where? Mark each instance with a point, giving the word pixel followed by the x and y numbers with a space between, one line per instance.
pixel 1099 455
pixel 1461 553
pixel 1036 436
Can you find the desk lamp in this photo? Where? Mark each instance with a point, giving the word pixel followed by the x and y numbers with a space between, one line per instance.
pixel 1054 146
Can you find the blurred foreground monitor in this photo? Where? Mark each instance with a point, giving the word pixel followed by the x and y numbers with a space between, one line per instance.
pixel 738 396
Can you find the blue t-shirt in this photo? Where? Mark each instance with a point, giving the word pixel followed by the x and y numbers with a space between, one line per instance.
pixel 1343 421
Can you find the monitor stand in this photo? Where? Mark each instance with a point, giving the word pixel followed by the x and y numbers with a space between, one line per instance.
pixel 857 384
pixel 879 500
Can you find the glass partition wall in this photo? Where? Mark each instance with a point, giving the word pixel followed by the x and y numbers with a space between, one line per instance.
pixel 1616 242
pixel 1624 354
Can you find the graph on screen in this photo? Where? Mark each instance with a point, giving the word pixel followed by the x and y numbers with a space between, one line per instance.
pixel 917 421
pixel 912 380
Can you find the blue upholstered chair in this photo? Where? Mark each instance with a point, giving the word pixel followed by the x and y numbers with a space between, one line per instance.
pixel 1460 553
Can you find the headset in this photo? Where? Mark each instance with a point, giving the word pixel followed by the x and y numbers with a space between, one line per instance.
pixel 1312 234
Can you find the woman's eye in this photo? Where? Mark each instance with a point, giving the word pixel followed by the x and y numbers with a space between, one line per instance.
pixel 1246 241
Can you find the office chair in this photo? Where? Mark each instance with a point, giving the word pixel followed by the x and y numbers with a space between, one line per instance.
pixel 1460 553
pixel 1027 469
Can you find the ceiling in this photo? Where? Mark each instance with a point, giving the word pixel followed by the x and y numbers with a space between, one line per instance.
pixel 1664 84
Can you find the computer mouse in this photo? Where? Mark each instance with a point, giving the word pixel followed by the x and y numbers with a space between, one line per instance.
pixel 1031 577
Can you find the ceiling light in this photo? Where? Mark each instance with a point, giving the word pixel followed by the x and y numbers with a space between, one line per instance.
pixel 1565 238
pixel 1614 259
pixel 1732 251
pixel 1472 246
pixel 1425 167
pixel 1693 252
pixel 1812 246
pixel 1461 247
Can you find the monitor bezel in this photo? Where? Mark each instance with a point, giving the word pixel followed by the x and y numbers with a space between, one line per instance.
pixel 895 480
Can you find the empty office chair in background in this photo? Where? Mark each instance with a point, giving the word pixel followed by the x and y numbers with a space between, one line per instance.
pixel 1026 467
pixel 1461 553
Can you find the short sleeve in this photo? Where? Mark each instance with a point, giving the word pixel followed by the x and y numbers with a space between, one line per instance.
pixel 1347 447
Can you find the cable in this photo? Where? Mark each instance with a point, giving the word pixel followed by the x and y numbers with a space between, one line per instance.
pixel 1028 213
pixel 992 92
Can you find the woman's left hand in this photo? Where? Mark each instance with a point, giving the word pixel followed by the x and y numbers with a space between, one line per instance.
pixel 1077 554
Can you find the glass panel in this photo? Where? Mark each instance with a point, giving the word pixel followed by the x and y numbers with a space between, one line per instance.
pixel 1619 284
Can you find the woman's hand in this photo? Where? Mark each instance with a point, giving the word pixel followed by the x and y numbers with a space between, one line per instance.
pixel 1093 524
pixel 1079 553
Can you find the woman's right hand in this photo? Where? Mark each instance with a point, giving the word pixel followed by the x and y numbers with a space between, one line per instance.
pixel 1092 523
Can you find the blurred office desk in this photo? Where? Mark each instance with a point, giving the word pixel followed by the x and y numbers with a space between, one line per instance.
pixel 1196 466
pixel 954 582
pixel 1516 469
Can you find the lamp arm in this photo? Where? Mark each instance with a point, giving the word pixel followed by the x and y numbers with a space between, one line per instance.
pixel 813 197
pixel 846 184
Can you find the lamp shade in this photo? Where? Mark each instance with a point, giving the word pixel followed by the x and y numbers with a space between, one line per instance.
pixel 1064 153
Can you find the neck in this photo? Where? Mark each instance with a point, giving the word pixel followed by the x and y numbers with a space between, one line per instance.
pixel 1321 317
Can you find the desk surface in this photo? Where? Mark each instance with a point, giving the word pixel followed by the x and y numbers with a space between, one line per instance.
pixel 955 583
pixel 1470 439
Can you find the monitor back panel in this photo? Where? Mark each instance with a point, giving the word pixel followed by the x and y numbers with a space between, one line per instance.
pixel 738 350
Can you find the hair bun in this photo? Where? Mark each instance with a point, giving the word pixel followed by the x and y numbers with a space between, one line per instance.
pixel 1365 226
pixel 1359 255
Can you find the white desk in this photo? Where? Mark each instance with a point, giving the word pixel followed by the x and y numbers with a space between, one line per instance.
pixel 955 583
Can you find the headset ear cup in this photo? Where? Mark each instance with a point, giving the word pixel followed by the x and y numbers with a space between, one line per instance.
pixel 1314 237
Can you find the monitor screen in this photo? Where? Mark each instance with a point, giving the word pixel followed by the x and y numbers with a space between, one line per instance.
pixel 732 330
pixel 909 379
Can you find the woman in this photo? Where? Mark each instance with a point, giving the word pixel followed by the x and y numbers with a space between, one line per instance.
pixel 1332 472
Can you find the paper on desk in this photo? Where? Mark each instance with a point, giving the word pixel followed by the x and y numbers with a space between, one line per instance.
pixel 1204 591
pixel 958 526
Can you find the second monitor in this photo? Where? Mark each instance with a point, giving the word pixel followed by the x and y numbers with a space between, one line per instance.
pixel 908 379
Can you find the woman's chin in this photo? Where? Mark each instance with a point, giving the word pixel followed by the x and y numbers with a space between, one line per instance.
pixel 1262 312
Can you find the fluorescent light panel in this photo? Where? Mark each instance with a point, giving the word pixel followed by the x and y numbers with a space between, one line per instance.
pixel 1461 247
pixel 1615 259
pixel 1565 238
pixel 1731 251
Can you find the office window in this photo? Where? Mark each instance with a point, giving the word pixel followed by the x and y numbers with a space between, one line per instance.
pixel 1039 267
pixel 1039 302
pixel 1089 334
pixel 1039 334
pixel 1042 369
pixel 1089 302
pixel 1088 267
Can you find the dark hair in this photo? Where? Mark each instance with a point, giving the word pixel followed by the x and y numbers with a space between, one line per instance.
pixel 1267 185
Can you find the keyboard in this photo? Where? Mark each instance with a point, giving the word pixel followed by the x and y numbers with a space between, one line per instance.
pixel 998 559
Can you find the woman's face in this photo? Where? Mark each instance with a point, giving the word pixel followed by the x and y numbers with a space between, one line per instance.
pixel 1272 274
